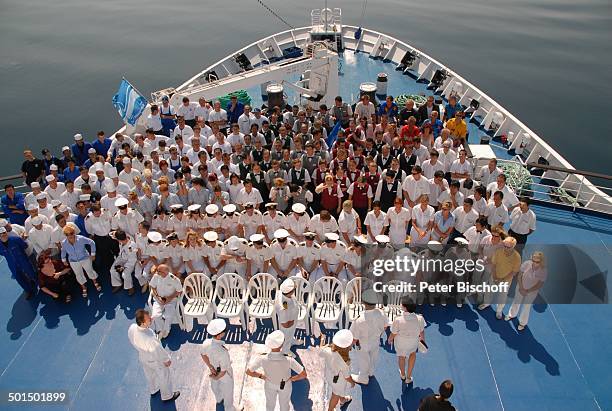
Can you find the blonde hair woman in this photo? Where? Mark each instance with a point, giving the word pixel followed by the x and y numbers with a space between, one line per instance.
pixel 531 278
pixel 337 368
pixel 280 194
pixel 193 253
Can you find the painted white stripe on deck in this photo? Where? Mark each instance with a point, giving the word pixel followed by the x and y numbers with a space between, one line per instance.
pixel 22 345
pixel 491 368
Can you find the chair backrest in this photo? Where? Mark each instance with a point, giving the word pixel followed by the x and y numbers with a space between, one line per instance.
pixel 263 286
pixel 198 285
pixel 303 290
pixel 327 289
pixel 230 286
pixel 354 288
pixel 394 299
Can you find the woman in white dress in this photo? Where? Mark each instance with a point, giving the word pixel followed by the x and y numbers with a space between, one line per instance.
pixel 397 219
pixel 193 254
pixel 406 332
pixel 422 222
pixel 173 255
pixel 337 368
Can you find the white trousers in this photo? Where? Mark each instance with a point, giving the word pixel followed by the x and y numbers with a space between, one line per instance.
pixel 158 378
pixel 289 333
pixel 367 357
pixel 126 276
pixel 523 304
pixel 223 389
pixel 163 316
pixel 143 272
pixel 82 267
pixel 275 393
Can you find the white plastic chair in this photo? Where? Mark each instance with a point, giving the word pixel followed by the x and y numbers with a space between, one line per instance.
pixel 196 300
pixel 393 308
pixel 229 298
pixel 326 302
pixel 303 291
pixel 353 306
pixel 262 291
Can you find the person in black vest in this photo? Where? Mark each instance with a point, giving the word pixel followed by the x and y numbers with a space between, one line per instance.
pixel 408 160
pixel 298 174
pixel 383 159
pixel 260 181
pixel 388 191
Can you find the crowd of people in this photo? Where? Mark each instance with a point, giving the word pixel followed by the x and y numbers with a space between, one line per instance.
pixel 280 190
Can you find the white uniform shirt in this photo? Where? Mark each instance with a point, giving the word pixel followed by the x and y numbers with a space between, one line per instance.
pixel 257 256
pixel 333 256
pixel 250 222
pixel 447 196
pixel 218 355
pixel 347 223
pixel 464 220
pixel 496 215
pixel 166 286
pixel 376 223
pixel 475 238
pixel 415 188
pixel 41 239
pixel 321 228
pixel 286 308
pixel 148 345
pixel 188 112
pixel 128 178
pixel 521 222
pixel 429 169
pixel 480 206
pixel 55 193
pixel 28 222
pixel 309 255
pixel 368 327
pixel 127 256
pixel 397 223
pixel 174 253
pixel 186 132
pixel 487 176
pixel 510 199
pixel 253 197
pixel 100 226
pixel 461 168
pixel 276 366
pixel 447 159
pixel 408 326
pixel 273 223
pixel 127 222
pixel 214 253
pixel 299 225
pixel 422 217
pixel 435 191
pixel 284 256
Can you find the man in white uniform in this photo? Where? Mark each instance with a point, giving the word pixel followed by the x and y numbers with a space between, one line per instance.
pixel 154 359
pixel 333 254
pixel 284 254
pixel 165 287
pixel 276 372
pixel 216 357
pixel 124 264
pixel 309 252
pixel 367 330
pixel 287 311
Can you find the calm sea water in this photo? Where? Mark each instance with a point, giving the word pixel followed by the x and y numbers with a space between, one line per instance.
pixel 547 61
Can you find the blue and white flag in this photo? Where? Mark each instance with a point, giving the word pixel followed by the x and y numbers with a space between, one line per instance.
pixel 129 103
pixel 333 134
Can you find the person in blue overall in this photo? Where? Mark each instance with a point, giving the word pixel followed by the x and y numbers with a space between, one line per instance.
pixel 13 248
pixel 13 205
pixel 168 115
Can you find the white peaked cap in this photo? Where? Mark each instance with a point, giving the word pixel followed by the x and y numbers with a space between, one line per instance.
pixel 361 239
pixel 211 236
pixel 84 197
pixel 212 209
pixel 298 208
pixel 50 178
pixel 120 202
pixel 435 245
pixel 99 167
pixel 343 338
pixel 31 207
pixel 35 184
pixel 154 236
pixel 229 208
pixel 381 238
pixel 281 233
pixel 36 220
pixel 332 236
pixel 461 241
pixel 256 237
pixel 109 186
pixel 78 137
pixel 216 326
pixel 287 286
pixel 233 243
pixel 275 339
pixel 194 207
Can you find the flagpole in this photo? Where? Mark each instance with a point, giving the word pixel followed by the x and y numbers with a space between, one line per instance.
pixel 138 91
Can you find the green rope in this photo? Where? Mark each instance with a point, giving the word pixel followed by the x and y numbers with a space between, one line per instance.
pixel 403 98
pixel 517 177
pixel 242 95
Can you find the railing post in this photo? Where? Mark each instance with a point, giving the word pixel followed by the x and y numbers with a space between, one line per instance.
pixel 578 193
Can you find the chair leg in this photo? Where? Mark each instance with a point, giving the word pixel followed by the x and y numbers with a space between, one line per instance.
pixel 275 321
pixel 188 323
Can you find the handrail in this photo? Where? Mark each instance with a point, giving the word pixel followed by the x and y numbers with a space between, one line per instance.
pixel 570 171
pixel 9 178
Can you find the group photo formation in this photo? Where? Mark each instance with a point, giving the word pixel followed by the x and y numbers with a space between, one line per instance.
pixel 325 219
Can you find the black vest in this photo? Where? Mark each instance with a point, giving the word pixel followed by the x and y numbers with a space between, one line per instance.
pixel 298 179
pixel 387 197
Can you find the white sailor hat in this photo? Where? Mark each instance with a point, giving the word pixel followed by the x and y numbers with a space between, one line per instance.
pixel 435 245
pixel 383 239
pixel 271 205
pixel 233 243
pixel 36 220
pixel 35 184
pixel 32 207
pixel 212 209
pixel 331 237
pixel 65 148
pixel 3 222
pixel 53 167
pixel 256 237
pixel 275 339
pixel 281 233
pixel 343 339
pixel 126 160
pixel 84 197
pixel 91 151
pixel 154 236
pixel 110 187
pixel 370 296
pixel 287 286
pixel 41 196
pixel 229 208
pixel 249 204
pixel 112 172
pixel 63 208
pixel 310 235
pixel 211 236
pixel 298 208
pixel 193 208
pixel 176 206
pixel 78 137
pixel 461 241
pixel 121 152
pixel 120 202
pixel 216 326
pixel 361 239
pixel 2 230
pixel 55 203
pixel 50 178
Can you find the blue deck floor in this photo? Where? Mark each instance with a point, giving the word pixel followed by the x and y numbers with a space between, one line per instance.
pixel 560 362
